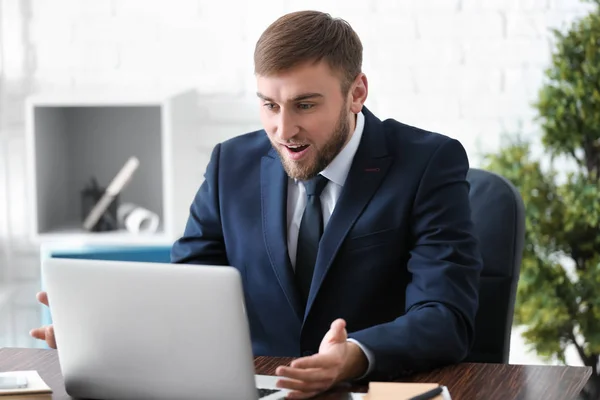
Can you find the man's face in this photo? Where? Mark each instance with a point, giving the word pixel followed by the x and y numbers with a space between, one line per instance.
pixel 306 117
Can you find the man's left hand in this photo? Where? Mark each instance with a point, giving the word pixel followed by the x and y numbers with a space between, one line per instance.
pixel 336 361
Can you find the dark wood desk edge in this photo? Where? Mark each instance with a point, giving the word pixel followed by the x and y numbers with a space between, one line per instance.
pixel 587 376
pixel 588 370
pixel 267 366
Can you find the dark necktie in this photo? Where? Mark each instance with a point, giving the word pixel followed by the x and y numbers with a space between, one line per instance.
pixel 311 229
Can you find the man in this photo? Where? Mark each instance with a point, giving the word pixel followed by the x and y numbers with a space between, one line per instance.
pixel 352 235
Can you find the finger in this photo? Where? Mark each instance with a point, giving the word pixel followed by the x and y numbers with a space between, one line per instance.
pixel 319 360
pixel 305 375
pixel 42 297
pixel 50 339
pixel 307 387
pixel 301 395
pixel 38 333
pixel 338 331
pixel 339 323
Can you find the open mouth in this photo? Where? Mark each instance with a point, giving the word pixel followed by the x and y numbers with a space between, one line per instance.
pixel 297 151
pixel 297 148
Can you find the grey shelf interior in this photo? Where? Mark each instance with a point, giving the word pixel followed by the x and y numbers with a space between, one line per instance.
pixel 75 143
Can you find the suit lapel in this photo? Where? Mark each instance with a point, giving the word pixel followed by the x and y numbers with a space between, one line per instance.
pixel 273 186
pixel 368 170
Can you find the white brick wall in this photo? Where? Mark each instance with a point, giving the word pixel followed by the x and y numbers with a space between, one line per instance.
pixel 466 68
pixel 428 61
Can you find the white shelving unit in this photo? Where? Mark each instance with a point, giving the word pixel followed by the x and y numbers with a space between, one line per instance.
pixel 72 137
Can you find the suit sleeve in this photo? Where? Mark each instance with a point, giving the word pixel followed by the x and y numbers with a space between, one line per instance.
pixel 202 241
pixel 445 263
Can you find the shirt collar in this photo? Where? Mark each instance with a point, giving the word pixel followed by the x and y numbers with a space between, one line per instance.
pixel 338 169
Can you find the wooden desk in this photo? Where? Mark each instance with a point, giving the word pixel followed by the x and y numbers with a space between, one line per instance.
pixel 465 381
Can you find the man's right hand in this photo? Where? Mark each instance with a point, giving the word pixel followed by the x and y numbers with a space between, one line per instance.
pixel 45 332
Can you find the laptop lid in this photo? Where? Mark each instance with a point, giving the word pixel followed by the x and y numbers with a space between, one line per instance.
pixel 132 330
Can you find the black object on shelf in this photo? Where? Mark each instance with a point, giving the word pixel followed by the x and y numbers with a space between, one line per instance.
pixel 90 195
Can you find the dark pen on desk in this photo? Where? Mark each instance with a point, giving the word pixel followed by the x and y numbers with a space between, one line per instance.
pixel 430 394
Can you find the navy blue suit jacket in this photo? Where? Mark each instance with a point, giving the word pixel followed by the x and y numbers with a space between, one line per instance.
pixel 398 259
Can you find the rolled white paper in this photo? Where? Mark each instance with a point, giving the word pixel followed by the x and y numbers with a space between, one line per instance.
pixel 137 219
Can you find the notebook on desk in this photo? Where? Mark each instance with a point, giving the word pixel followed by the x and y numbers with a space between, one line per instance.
pixel 403 391
pixel 33 386
pixel 133 330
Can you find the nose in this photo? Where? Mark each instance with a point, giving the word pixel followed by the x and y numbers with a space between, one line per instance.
pixel 287 127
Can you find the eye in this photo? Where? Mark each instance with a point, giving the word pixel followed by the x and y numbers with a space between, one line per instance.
pixel 305 106
pixel 270 106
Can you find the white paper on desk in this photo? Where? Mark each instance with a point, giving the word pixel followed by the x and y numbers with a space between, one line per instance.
pixel 35 383
pixel 270 382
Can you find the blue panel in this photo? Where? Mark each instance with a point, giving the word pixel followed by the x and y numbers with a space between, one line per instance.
pixel 140 254
pixel 160 254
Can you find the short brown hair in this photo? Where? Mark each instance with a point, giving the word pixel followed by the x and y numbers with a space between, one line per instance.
pixel 309 36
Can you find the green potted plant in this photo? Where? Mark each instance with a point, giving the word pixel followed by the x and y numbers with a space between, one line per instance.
pixel 558 299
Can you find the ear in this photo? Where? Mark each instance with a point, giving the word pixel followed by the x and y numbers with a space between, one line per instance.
pixel 358 93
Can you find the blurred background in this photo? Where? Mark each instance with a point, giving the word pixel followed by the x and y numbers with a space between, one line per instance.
pixel 85 85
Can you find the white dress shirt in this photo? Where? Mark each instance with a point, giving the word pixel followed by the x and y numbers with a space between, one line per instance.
pixel 336 172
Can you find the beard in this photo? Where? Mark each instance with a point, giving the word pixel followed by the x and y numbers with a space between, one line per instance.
pixel 309 168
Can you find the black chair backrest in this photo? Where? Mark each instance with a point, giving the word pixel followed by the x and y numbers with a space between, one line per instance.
pixel 499 218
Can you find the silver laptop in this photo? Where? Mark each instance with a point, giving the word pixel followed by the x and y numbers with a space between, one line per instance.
pixel 137 330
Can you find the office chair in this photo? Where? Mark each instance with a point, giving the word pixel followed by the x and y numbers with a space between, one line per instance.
pixel 499 220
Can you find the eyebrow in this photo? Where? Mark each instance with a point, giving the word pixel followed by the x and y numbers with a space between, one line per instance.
pixel 301 97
